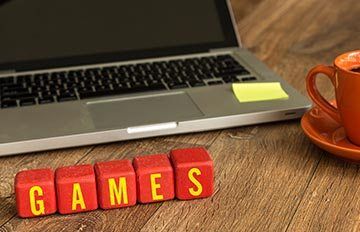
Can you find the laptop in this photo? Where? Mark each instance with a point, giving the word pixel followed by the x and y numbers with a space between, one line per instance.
pixel 75 73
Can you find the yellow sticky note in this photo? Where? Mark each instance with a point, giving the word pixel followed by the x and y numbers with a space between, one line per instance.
pixel 251 92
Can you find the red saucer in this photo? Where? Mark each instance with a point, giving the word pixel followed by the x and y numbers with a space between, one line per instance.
pixel 329 135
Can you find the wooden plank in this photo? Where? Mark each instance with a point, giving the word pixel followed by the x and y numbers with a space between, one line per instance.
pixel 197 139
pixel 261 173
pixel 7 209
pixel 332 201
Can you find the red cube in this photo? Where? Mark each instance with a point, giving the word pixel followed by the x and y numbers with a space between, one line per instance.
pixel 35 193
pixel 116 184
pixel 155 178
pixel 194 173
pixel 76 189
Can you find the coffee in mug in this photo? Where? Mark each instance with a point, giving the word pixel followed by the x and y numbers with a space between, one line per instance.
pixel 355 70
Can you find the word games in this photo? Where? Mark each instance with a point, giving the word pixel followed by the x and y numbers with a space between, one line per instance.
pixel 186 174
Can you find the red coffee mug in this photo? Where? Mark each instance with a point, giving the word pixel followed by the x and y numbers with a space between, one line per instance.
pixel 345 76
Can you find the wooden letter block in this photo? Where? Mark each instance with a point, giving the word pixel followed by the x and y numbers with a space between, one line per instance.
pixel 116 184
pixel 155 178
pixel 194 173
pixel 76 189
pixel 35 193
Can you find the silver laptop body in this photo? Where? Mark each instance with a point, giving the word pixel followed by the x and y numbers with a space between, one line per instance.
pixel 36 127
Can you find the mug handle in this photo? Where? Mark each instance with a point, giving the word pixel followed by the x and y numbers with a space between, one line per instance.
pixel 314 93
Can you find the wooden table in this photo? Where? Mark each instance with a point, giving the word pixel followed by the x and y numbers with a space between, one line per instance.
pixel 268 177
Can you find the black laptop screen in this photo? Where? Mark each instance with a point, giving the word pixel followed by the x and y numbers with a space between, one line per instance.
pixel 53 33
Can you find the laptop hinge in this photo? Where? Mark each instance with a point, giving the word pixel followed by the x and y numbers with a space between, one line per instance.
pixel 231 49
pixel 5 72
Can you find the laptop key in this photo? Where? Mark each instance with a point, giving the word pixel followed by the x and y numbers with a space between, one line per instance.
pixel 224 57
pixel 6 80
pixel 87 94
pixel 236 71
pixel 27 101
pixel 140 85
pixel 9 86
pixel 8 103
pixel 24 79
pixel 102 88
pixel 104 93
pixel 215 82
pixel 175 85
pixel 14 91
pixel 156 86
pixel 46 99
pixel 18 95
pixel 248 78
pixel 230 79
pixel 196 83
pixel 66 96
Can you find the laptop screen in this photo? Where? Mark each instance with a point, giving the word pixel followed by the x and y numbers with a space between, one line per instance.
pixel 47 33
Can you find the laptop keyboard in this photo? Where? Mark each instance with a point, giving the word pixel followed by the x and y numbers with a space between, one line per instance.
pixel 51 87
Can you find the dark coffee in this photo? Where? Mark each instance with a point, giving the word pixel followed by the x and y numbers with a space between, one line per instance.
pixel 357 69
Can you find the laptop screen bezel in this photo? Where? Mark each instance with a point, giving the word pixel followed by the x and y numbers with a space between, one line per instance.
pixel 223 8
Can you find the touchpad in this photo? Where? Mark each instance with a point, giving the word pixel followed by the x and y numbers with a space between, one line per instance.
pixel 142 110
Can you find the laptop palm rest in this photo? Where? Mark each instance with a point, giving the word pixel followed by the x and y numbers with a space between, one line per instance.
pixel 143 110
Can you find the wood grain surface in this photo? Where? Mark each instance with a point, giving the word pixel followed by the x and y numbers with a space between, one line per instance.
pixel 268 177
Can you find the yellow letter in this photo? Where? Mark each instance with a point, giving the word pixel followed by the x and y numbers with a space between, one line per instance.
pixel 195 182
pixel 77 197
pixel 33 202
pixel 117 191
pixel 155 186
